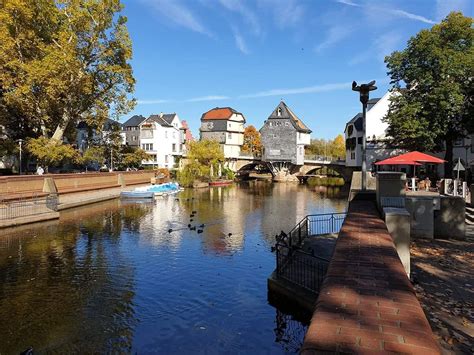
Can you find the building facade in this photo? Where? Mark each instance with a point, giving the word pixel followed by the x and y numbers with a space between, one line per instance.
pixel 284 137
pixel 376 140
pixel 162 138
pixel 131 130
pixel 226 126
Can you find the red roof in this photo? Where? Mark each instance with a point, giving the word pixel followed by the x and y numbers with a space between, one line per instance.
pixel 219 113
pixel 411 158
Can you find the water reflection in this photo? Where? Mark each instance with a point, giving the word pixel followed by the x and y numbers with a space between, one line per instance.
pixel 111 277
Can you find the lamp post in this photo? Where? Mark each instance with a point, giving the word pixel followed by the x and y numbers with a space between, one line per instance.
pixel 364 90
pixel 20 142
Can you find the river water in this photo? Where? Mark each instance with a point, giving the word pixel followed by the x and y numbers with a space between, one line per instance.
pixel 111 277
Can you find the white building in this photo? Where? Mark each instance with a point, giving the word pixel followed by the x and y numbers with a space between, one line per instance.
pixel 161 136
pixel 226 126
pixel 377 135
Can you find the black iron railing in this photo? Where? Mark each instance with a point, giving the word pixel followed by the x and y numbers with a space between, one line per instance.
pixel 301 268
pixel 314 225
pixel 294 264
pixel 22 206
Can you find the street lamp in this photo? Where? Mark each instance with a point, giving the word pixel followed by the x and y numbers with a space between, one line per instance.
pixel 364 90
pixel 20 142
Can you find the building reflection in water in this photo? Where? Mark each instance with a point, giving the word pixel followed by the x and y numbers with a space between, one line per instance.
pixel 67 281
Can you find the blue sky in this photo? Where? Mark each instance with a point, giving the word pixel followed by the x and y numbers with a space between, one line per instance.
pixel 193 55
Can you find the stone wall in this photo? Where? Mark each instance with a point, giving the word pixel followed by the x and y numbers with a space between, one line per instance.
pixel 31 184
pixel 279 141
pixel 367 304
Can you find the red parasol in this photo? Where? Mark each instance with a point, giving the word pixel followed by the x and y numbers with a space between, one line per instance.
pixel 411 158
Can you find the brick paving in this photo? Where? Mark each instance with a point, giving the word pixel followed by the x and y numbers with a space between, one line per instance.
pixel 367 304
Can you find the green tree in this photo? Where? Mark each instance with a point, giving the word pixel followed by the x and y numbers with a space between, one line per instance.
pixel 52 153
pixel 134 159
pixel 93 154
pixel 204 159
pixel 252 141
pixel 433 83
pixel 337 147
pixel 63 61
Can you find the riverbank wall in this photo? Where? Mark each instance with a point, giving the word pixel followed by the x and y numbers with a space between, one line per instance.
pixel 367 304
pixel 33 198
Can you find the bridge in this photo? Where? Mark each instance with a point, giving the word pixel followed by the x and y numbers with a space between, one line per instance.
pixel 246 164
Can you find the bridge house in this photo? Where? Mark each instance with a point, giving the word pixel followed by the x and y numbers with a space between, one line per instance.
pixel 284 137
pixel 225 125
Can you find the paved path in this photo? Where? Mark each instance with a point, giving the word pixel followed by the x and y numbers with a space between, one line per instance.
pixel 367 303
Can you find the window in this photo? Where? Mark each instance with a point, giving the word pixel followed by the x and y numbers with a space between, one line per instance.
pixel 279 112
pixel 275 136
pixel 287 124
pixel 353 155
pixel 359 140
pixel 229 135
pixel 147 146
pixel 166 134
pixel 166 159
pixel 134 138
pixel 174 147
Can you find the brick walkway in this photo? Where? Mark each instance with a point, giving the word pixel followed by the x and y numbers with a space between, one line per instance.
pixel 367 304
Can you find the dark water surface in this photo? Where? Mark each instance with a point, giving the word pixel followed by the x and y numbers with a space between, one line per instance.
pixel 110 277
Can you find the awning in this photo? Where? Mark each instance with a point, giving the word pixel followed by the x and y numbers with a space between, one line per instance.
pixel 411 158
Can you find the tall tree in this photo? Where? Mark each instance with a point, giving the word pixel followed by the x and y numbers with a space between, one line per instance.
pixel 252 141
pixel 338 147
pixel 433 81
pixel 63 61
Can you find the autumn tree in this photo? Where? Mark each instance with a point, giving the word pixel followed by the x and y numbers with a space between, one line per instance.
pixel 60 62
pixel 433 84
pixel 50 154
pixel 134 158
pixel 204 157
pixel 338 147
pixel 252 141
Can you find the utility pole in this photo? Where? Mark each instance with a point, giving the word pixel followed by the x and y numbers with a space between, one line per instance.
pixel 20 142
pixel 364 90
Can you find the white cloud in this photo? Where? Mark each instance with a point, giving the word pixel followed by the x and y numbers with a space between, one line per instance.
pixel 302 90
pixel 396 12
pixel 152 102
pixel 208 98
pixel 334 35
pixel 382 46
pixel 178 13
pixel 286 13
pixel 249 16
pixel 348 2
pixel 444 7
pixel 240 43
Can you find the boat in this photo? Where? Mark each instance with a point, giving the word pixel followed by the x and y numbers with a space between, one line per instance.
pixel 221 183
pixel 165 189
pixel 136 194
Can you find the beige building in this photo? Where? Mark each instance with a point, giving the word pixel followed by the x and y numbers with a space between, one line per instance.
pixel 226 126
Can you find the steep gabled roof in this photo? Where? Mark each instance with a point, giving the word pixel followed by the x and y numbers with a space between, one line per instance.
pixel 168 117
pixel 220 113
pixel 282 111
pixel 356 121
pixel 160 120
pixel 134 121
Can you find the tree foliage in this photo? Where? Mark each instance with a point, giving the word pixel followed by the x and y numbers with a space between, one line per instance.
pixel 333 148
pixel 53 153
pixel 433 85
pixel 60 62
pixel 93 154
pixel 204 159
pixel 134 159
pixel 252 141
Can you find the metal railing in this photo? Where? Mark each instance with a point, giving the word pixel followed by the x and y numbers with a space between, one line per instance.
pixel 314 225
pixel 22 206
pixel 301 267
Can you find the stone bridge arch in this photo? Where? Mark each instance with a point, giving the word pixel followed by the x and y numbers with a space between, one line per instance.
pixel 344 171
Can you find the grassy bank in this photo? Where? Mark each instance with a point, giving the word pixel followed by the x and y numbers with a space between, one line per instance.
pixel 325 181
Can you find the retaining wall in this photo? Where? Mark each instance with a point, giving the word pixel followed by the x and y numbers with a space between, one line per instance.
pixel 367 304
pixel 69 183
